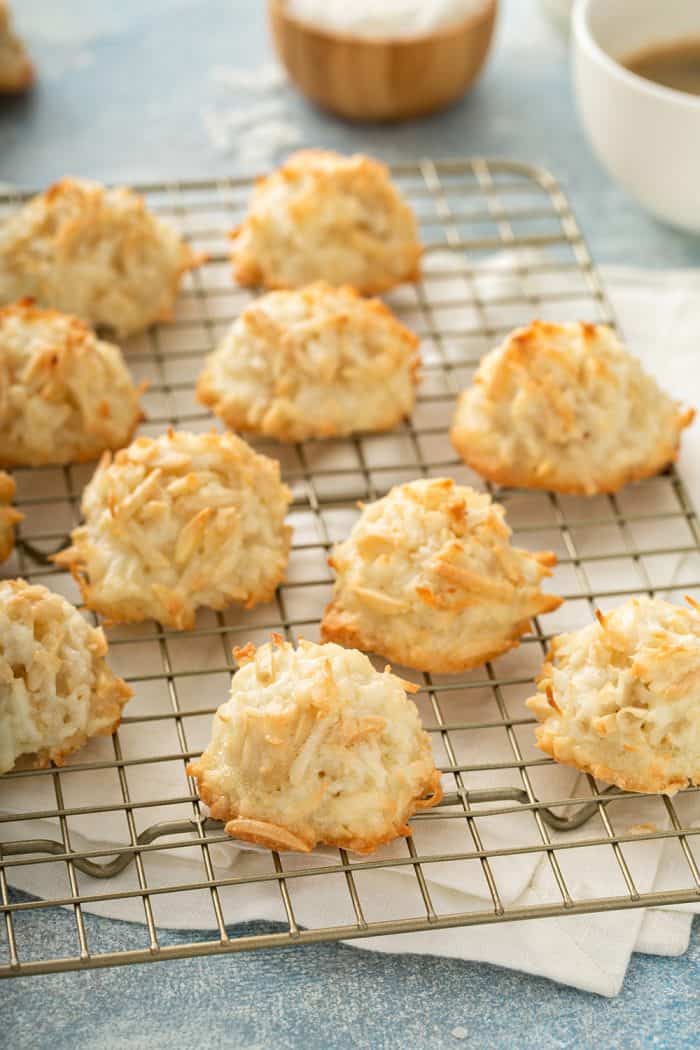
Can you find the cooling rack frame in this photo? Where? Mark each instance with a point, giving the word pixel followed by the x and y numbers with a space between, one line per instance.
pixel 469 210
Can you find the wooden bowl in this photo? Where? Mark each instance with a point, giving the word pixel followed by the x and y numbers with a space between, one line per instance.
pixel 381 79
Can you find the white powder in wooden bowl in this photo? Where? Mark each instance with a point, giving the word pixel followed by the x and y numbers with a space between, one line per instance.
pixel 389 19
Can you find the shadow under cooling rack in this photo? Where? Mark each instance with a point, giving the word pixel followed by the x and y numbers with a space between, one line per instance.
pixel 119 829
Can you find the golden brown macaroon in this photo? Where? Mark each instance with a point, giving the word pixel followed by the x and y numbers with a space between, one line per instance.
pixel 620 699
pixel 314 363
pixel 315 746
pixel 56 688
pixel 429 579
pixel 8 515
pixel 323 216
pixel 16 70
pixel 95 252
pixel 566 407
pixel 178 522
pixel 65 395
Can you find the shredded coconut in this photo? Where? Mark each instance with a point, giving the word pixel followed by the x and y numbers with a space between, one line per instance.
pixel 56 689
pixel 311 364
pixel 315 745
pixel 323 216
pixel 259 132
pixel 8 515
pixel 566 407
pixel 392 18
pixel 177 522
pixel 267 77
pixel 429 579
pixel 95 252
pixel 621 698
pixel 66 395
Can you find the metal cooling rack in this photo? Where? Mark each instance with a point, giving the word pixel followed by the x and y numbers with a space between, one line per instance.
pixel 646 542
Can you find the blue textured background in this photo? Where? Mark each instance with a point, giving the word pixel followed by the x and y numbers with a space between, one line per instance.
pixel 333 996
pixel 121 94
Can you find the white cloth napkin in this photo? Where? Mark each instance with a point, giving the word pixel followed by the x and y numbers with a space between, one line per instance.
pixel 660 316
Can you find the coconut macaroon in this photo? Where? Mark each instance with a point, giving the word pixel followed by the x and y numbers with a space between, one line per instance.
pixel 566 407
pixel 16 70
pixel 315 746
pixel 8 515
pixel 65 395
pixel 178 522
pixel 314 363
pixel 323 216
pixel 95 252
pixel 56 688
pixel 621 698
pixel 429 579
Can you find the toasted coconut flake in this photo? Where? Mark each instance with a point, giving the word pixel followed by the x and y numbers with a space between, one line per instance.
pixel 57 690
pixel 566 408
pixel 151 547
pixel 66 395
pixel 323 216
pixel 9 517
pixel 94 252
pixel 446 591
pixel 314 363
pixel 623 697
pixel 322 748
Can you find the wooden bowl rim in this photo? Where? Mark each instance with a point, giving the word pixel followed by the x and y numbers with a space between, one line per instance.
pixel 452 29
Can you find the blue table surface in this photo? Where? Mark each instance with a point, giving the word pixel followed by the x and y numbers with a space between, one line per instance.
pixel 121 94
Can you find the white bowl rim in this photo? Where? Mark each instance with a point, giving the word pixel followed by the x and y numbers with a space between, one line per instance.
pixel 584 36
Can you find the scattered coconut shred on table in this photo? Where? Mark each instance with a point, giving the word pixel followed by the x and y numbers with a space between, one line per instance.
pixel 260 132
pixel 391 18
pixel 260 127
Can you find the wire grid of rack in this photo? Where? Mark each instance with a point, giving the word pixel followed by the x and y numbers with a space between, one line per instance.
pixel 644 540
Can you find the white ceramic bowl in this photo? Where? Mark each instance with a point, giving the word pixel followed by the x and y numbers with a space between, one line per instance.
pixel 647 136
